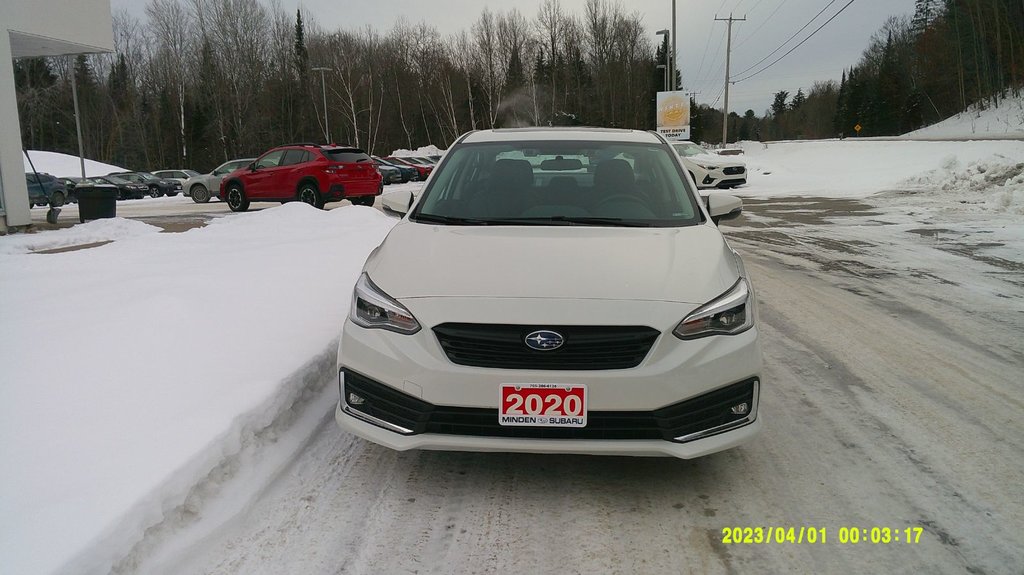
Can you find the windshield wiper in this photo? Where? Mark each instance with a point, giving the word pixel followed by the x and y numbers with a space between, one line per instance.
pixel 439 219
pixel 592 221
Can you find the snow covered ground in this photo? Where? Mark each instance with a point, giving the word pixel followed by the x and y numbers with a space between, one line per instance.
pixel 156 386
pixel 135 370
pixel 984 120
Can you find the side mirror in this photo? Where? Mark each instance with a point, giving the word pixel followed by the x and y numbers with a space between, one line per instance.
pixel 398 202
pixel 252 167
pixel 724 207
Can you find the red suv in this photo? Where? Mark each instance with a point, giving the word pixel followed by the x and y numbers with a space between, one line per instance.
pixel 310 173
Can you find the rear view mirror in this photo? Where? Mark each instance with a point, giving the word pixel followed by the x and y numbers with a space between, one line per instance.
pixel 561 165
pixel 723 207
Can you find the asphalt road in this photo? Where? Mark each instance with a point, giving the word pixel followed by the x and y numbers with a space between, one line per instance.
pixel 891 397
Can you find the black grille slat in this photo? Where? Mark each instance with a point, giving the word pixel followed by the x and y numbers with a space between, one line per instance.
pixel 733 170
pixel 676 420
pixel 502 346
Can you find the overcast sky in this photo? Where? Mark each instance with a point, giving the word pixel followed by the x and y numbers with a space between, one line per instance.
pixel 700 41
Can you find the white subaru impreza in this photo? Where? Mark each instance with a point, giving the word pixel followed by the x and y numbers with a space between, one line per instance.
pixel 557 291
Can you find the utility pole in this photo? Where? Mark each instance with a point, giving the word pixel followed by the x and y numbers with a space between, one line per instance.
pixel 78 116
pixel 728 53
pixel 323 84
pixel 672 62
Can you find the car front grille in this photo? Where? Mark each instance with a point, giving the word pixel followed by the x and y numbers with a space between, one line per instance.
pixel 585 348
pixel 733 170
pixel 710 411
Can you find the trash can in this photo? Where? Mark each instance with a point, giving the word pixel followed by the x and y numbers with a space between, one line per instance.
pixel 95 202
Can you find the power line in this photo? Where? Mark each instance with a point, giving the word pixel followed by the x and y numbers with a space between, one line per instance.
pixel 758 29
pixel 790 39
pixel 798 45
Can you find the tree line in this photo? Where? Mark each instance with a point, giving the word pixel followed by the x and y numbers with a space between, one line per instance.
pixel 197 82
pixel 917 70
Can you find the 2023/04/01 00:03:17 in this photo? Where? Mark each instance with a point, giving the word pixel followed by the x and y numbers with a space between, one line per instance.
pixel 819 535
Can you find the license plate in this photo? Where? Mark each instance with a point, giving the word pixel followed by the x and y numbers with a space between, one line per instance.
pixel 543 405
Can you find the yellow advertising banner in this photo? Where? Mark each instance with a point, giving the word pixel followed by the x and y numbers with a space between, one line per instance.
pixel 674 115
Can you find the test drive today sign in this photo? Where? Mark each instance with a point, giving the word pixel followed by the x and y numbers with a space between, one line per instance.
pixel 674 115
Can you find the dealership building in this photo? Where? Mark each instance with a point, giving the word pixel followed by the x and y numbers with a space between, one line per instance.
pixel 38 28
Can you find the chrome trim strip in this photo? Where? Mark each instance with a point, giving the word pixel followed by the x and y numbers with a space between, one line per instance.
pixel 726 426
pixel 374 420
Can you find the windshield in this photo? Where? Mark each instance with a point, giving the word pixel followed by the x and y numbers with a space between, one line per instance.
pixel 117 180
pixel 687 149
pixel 559 183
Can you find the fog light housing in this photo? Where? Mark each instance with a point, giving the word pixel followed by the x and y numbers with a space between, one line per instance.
pixel 740 408
pixel 356 399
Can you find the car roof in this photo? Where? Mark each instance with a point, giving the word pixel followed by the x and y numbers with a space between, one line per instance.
pixel 561 133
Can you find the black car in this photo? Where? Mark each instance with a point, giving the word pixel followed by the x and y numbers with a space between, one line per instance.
pixel 126 190
pixel 390 174
pixel 409 173
pixel 157 186
pixel 45 190
pixel 70 183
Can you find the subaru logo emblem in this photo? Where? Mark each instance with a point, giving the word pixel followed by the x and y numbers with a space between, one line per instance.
pixel 544 340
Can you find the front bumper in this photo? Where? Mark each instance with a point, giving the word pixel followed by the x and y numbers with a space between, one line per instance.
pixel 414 370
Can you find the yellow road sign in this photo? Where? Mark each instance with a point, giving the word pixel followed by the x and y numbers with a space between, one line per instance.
pixel 858 128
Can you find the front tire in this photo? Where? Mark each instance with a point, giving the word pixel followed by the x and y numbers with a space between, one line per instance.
pixel 308 194
pixel 200 194
pixel 236 198
pixel 154 192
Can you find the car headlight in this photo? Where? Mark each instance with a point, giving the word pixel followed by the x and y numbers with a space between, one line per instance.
pixel 372 308
pixel 727 314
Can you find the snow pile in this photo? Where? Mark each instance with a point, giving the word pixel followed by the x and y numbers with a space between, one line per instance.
pixel 430 150
pixel 138 371
pixel 995 183
pixel 853 168
pixel 63 165
pixel 981 119
pixel 106 230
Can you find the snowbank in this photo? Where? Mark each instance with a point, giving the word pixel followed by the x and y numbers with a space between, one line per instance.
pixel 1006 120
pixel 851 169
pixel 63 165
pixel 430 150
pixel 91 232
pixel 993 184
pixel 136 371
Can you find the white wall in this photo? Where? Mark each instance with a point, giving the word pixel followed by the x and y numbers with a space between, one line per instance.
pixel 38 28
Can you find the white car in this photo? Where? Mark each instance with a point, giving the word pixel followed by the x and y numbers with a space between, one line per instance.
pixel 556 291
pixel 711 170
pixel 205 186
pixel 179 176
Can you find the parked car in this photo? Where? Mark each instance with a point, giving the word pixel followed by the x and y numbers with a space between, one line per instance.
pixel 70 183
pixel 423 170
pixel 426 161
pixel 310 173
pixel 409 173
pixel 157 186
pixel 487 321
pixel 177 175
pixel 390 174
pixel 45 190
pixel 126 190
pixel 711 170
pixel 204 186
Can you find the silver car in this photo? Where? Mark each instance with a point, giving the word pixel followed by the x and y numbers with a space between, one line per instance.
pixel 202 187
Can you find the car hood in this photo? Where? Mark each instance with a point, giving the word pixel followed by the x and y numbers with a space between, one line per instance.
pixel 688 265
pixel 714 160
